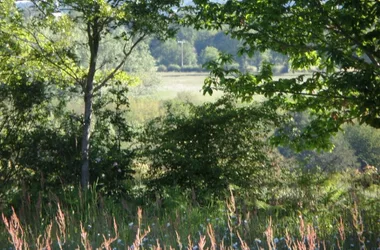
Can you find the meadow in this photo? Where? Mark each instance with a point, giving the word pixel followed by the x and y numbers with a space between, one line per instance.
pixel 177 86
pixel 171 84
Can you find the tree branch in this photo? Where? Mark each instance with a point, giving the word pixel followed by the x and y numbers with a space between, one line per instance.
pixel 115 70
pixel 347 35
pixel 42 51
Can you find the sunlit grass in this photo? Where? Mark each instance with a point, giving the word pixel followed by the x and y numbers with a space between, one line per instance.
pixel 87 220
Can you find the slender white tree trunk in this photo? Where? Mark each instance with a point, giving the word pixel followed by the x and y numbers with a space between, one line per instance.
pixel 85 174
pixel 93 32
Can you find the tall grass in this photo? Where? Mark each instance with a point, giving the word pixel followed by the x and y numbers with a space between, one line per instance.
pixel 93 222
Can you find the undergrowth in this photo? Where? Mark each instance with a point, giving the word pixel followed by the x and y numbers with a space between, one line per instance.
pixel 85 220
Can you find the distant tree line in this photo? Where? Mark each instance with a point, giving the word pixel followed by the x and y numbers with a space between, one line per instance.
pixel 201 46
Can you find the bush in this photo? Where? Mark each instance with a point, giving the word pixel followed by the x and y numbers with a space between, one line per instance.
pixel 192 68
pixel 162 68
pixel 209 53
pixel 45 155
pixel 214 146
pixel 174 67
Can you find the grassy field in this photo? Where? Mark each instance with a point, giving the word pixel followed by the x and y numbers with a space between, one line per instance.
pixel 174 84
pixel 170 85
pixel 184 86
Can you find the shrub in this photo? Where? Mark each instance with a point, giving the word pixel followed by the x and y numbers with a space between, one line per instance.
pixel 209 53
pixel 162 68
pixel 210 148
pixel 191 68
pixel 174 67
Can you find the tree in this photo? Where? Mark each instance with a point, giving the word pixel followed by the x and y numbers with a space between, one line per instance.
pixel 55 43
pixel 208 54
pixel 204 38
pixel 365 141
pixel 19 113
pixel 342 157
pixel 338 38
pixel 170 52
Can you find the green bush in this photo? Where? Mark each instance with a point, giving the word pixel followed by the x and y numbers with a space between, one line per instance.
pixel 174 67
pixel 41 150
pixel 162 68
pixel 209 148
pixel 191 68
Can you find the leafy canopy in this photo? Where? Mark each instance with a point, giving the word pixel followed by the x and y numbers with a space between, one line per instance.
pixel 339 40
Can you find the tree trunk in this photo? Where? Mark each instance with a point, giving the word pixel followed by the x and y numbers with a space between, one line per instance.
pixel 85 174
pixel 93 34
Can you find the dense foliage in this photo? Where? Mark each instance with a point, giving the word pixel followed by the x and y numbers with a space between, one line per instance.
pixel 339 39
pixel 211 148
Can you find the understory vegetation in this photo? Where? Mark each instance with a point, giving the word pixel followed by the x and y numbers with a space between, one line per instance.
pixel 329 212
pixel 185 179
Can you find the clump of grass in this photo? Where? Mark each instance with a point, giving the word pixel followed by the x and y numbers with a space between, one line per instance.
pixel 15 230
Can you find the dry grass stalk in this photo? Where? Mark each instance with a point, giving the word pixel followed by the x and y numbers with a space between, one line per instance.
pixel 140 236
pixel 288 239
pixel 269 235
pixel 231 211
pixel 178 240
pixel 190 243
pixel 61 222
pixel 231 204
pixel 244 245
pixel 341 229
pixel 302 227
pixel 139 216
pixel 221 245
pixel 307 241
pixel 107 242
pixel 158 247
pixel 84 239
pixel 358 225
pixel 46 242
pixel 300 245
pixel 60 244
pixel 342 236
pixel 211 235
pixel 14 228
pixel 229 224
pixel 202 242
pixel 311 237
pixel 324 244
